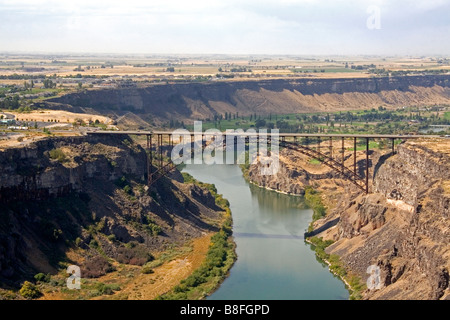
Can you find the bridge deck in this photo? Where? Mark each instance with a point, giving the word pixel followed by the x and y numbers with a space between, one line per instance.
pixel 293 135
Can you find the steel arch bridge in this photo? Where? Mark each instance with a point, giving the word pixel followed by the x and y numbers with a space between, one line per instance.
pixel 317 146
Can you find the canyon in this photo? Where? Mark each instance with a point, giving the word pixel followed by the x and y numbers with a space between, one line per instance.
pixel 402 226
pixel 84 199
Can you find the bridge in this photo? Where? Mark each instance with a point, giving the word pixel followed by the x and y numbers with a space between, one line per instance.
pixel 321 147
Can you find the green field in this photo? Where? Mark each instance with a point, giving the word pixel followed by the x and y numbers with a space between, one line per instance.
pixel 372 145
pixel 375 121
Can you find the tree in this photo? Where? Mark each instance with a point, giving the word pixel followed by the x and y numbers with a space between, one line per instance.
pixel 49 84
pixel 29 291
pixel 260 123
pixel 80 85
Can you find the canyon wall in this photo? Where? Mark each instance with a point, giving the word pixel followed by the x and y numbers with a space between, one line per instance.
pixel 402 226
pixel 89 195
pixel 204 100
pixel 30 173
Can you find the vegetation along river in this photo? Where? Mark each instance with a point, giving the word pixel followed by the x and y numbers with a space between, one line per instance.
pixel 274 262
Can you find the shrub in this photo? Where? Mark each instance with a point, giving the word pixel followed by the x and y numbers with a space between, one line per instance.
pixel 136 255
pixel 127 189
pixel 147 270
pixel 153 228
pixel 78 241
pixel 93 244
pixel 42 277
pixel 188 178
pixel 58 154
pixel 314 200
pixel 107 289
pixel 29 291
pixel 319 246
pixel 95 267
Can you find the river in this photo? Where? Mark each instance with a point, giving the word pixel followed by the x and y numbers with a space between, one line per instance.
pixel 273 260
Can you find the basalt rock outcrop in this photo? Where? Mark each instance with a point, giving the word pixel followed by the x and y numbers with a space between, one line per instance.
pixel 30 173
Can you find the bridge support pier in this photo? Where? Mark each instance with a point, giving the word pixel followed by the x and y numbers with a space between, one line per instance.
pixel 367 165
pixel 149 160
pixel 160 141
pixel 331 147
pixel 318 144
pixel 354 156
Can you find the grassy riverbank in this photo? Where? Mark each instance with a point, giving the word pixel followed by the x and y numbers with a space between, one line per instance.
pixel 353 283
pixel 219 259
pixel 313 199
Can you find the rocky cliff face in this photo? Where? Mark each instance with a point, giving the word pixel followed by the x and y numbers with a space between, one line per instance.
pixel 88 194
pixel 35 173
pixel 290 178
pixel 204 100
pixel 403 227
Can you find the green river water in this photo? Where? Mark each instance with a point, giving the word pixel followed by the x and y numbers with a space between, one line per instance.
pixel 274 262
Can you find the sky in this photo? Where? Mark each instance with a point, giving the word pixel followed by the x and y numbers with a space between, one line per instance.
pixel 294 27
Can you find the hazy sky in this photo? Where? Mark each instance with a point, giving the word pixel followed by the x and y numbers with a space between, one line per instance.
pixel 233 26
